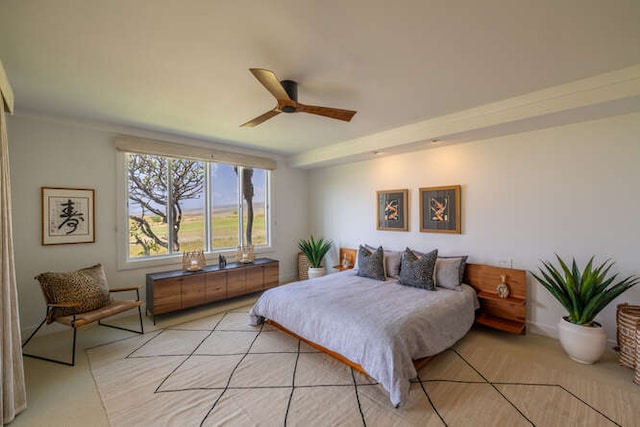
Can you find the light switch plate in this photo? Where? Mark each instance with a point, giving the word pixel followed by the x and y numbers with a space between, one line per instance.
pixel 505 262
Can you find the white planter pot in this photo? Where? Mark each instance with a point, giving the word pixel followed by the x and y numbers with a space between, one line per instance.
pixel 584 344
pixel 315 272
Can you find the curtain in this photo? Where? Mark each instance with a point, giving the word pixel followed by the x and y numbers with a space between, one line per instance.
pixel 13 394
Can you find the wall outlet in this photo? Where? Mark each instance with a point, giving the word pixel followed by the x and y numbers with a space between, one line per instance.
pixel 505 262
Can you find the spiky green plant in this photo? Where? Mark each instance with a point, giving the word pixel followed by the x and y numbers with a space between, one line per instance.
pixel 315 250
pixel 583 293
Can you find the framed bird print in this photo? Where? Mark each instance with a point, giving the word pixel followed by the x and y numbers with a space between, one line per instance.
pixel 440 209
pixel 391 210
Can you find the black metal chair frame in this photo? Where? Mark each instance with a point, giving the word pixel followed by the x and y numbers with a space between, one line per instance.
pixel 51 307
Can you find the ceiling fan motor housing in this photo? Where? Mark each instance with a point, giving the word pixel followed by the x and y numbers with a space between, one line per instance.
pixel 291 88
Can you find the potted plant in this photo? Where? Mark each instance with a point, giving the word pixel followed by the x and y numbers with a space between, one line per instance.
pixel 583 294
pixel 315 250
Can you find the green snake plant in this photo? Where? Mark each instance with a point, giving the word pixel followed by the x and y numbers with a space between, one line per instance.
pixel 315 250
pixel 583 293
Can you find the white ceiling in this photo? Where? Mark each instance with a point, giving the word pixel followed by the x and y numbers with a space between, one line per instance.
pixel 182 67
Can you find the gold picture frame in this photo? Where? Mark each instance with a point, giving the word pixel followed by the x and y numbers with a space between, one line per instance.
pixel 392 210
pixel 440 210
pixel 68 215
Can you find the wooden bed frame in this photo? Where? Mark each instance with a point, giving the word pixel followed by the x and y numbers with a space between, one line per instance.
pixel 507 314
pixel 418 363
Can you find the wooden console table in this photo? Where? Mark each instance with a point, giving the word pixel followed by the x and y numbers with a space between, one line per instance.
pixel 175 290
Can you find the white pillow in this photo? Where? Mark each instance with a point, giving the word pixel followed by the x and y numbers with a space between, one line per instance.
pixel 392 261
pixel 447 273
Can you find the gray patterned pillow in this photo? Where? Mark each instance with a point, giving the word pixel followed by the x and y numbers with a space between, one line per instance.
pixel 371 264
pixel 391 261
pixel 418 271
pixel 87 287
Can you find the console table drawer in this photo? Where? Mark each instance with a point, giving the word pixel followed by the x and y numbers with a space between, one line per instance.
pixel 192 290
pixel 236 283
pixel 215 286
pixel 167 296
pixel 271 275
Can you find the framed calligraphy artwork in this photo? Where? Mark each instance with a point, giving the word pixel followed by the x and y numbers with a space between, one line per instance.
pixel 391 210
pixel 440 209
pixel 68 215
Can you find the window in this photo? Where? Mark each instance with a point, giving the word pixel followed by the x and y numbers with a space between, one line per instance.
pixel 254 207
pixel 177 205
pixel 225 226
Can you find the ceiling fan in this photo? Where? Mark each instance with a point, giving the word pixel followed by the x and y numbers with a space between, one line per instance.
pixel 286 93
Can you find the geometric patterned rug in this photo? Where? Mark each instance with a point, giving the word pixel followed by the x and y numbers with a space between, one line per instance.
pixel 221 371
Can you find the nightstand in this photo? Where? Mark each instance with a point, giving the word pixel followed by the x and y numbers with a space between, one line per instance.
pixel 350 255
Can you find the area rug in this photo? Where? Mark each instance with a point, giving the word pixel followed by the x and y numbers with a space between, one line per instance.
pixel 220 371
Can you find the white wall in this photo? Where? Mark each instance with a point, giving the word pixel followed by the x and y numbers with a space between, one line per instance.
pixel 571 190
pixel 54 153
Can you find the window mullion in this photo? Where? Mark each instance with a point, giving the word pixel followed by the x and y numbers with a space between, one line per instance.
pixel 208 245
pixel 170 217
pixel 240 207
pixel 267 210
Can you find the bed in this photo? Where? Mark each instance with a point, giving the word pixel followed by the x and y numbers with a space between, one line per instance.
pixel 380 327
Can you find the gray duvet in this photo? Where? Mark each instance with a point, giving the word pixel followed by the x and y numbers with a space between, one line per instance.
pixel 381 326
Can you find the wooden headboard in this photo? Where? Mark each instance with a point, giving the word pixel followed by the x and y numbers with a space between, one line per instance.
pixel 508 314
pixel 351 255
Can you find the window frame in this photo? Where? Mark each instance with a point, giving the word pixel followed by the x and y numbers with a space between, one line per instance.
pixel 122 212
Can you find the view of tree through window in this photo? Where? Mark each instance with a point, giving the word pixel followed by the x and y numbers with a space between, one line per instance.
pixel 225 227
pixel 253 199
pixel 187 204
pixel 168 205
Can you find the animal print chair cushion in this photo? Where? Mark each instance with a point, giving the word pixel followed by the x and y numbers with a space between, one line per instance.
pixel 418 271
pixel 87 287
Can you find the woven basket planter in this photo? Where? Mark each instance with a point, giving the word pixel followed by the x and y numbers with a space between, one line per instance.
pixel 303 266
pixel 628 336
pixel 636 377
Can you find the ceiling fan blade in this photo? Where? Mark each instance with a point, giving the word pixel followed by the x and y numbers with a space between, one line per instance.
pixel 270 81
pixel 334 113
pixel 262 118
